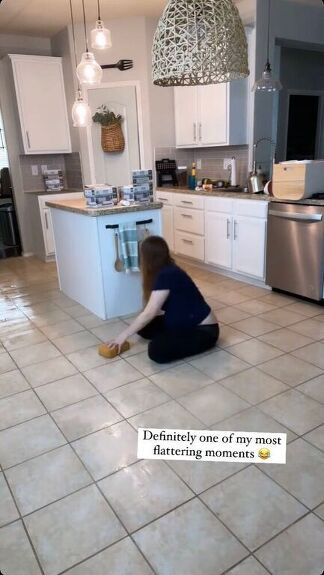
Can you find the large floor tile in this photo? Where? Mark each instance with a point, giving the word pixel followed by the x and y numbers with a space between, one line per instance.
pixel 65 391
pixel 112 375
pixel 277 299
pixel 213 403
pixel 12 382
pixel 85 417
pixel 219 364
pixel 123 558
pixel 295 410
pixel 18 408
pixel 253 385
pixel 48 371
pixel 46 478
pixel 306 309
pixel 202 475
pixel 303 473
pixel 6 363
pixel 108 450
pixel 16 553
pixel 231 315
pixel 188 540
pixel 170 415
pixel 76 341
pixel 110 330
pixel 290 370
pixel 255 306
pixel 25 356
pixel 313 353
pixel 8 510
pixel 160 491
pixel 285 339
pixel 136 397
pixel 78 526
pixel 90 320
pixel 253 419
pixel 62 328
pixel 297 551
pixel 28 440
pixel 316 437
pixel 254 351
pixel 314 388
pixel 310 327
pixel 254 326
pixel 180 380
pixel 49 318
pixel 23 339
pixel 252 506
pixel 282 317
pixel 320 511
pixel 249 566
pixel 146 366
pixel 87 358
pixel 230 336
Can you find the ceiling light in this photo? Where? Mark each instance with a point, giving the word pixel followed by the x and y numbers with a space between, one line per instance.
pixel 81 113
pixel 88 71
pixel 199 42
pixel 100 36
pixel 267 83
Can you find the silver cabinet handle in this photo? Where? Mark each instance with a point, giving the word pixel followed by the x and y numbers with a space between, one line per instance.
pixel 186 202
pixel 186 216
pixel 200 131
pixel 228 234
pixel 195 131
pixel 235 230
pixel 297 216
pixel 187 241
pixel 28 140
pixel 46 221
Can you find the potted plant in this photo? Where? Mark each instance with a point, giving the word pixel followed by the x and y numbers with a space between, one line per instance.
pixel 112 137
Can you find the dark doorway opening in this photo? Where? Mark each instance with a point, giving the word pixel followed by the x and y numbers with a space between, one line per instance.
pixel 302 127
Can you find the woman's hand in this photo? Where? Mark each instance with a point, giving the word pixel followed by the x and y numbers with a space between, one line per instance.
pixel 117 342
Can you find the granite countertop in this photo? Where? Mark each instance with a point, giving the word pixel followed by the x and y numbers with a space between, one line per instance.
pixel 79 206
pixel 219 193
pixel 47 193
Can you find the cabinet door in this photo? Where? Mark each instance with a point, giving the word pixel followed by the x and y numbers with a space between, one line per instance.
pixel 49 233
pixel 185 107
pixel 41 103
pixel 213 114
pixel 249 246
pixel 167 226
pixel 218 244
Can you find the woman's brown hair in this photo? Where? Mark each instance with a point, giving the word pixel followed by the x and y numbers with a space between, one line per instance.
pixel 155 254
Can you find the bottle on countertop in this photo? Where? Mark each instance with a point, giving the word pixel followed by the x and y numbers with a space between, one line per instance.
pixel 193 177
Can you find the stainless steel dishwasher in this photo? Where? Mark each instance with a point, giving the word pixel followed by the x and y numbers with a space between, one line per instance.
pixel 295 249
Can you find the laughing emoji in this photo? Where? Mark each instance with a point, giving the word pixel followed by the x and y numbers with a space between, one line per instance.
pixel 264 453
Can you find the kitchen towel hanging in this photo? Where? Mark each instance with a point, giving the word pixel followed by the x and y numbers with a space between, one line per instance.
pixel 129 246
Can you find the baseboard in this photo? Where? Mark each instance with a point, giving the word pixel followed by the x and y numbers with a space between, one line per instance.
pixel 27 254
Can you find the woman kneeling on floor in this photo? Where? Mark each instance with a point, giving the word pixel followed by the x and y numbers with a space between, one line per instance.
pixel 176 319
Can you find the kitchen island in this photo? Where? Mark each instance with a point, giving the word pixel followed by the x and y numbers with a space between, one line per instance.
pixel 86 254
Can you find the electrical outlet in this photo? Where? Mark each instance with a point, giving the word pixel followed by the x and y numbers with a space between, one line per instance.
pixel 227 163
pixel 44 168
pixel 199 164
pixel 34 170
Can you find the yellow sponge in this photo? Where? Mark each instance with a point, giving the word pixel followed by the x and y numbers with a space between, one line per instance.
pixel 111 352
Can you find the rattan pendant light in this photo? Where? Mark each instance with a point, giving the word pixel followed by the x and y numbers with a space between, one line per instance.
pixel 199 42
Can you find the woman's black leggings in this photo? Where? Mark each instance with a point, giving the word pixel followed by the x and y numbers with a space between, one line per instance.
pixel 169 345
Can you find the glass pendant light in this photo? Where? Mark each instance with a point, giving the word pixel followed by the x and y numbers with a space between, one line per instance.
pixel 100 36
pixel 267 83
pixel 81 112
pixel 88 71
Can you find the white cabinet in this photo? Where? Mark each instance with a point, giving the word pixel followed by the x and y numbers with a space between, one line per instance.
pixel 218 240
pixel 167 217
pixel 46 219
pixel 41 103
pixel 214 115
pixel 249 246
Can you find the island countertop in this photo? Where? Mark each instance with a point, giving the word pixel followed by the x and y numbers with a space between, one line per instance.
pixel 79 206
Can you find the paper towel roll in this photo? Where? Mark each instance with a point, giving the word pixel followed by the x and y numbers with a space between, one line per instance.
pixel 233 172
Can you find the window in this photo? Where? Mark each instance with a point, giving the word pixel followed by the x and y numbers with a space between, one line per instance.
pixel 3 149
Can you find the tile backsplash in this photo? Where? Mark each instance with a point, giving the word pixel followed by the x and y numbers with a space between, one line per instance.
pixel 69 164
pixel 212 160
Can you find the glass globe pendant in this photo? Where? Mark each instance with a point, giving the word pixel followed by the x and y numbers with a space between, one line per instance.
pixel 88 71
pixel 267 83
pixel 81 113
pixel 100 37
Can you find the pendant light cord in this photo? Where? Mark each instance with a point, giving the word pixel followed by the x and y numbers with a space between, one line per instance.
pixel 85 27
pixel 74 44
pixel 99 15
pixel 269 15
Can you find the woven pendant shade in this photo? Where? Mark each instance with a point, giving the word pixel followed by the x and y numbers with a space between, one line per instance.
pixel 199 42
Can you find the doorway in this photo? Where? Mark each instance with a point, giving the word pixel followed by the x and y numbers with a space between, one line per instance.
pixel 304 115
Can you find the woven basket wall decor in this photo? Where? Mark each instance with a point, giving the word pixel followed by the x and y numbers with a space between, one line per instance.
pixel 199 42
pixel 112 138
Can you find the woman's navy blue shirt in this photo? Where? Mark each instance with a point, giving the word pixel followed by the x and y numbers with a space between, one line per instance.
pixel 185 306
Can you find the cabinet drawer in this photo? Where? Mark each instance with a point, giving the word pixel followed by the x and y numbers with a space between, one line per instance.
pixel 188 201
pixel 253 208
pixel 224 205
pixel 164 197
pixel 189 245
pixel 188 220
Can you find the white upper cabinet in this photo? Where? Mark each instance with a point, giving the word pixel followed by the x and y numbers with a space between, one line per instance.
pixel 214 115
pixel 41 104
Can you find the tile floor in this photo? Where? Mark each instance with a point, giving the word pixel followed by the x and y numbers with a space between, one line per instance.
pixel 73 496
